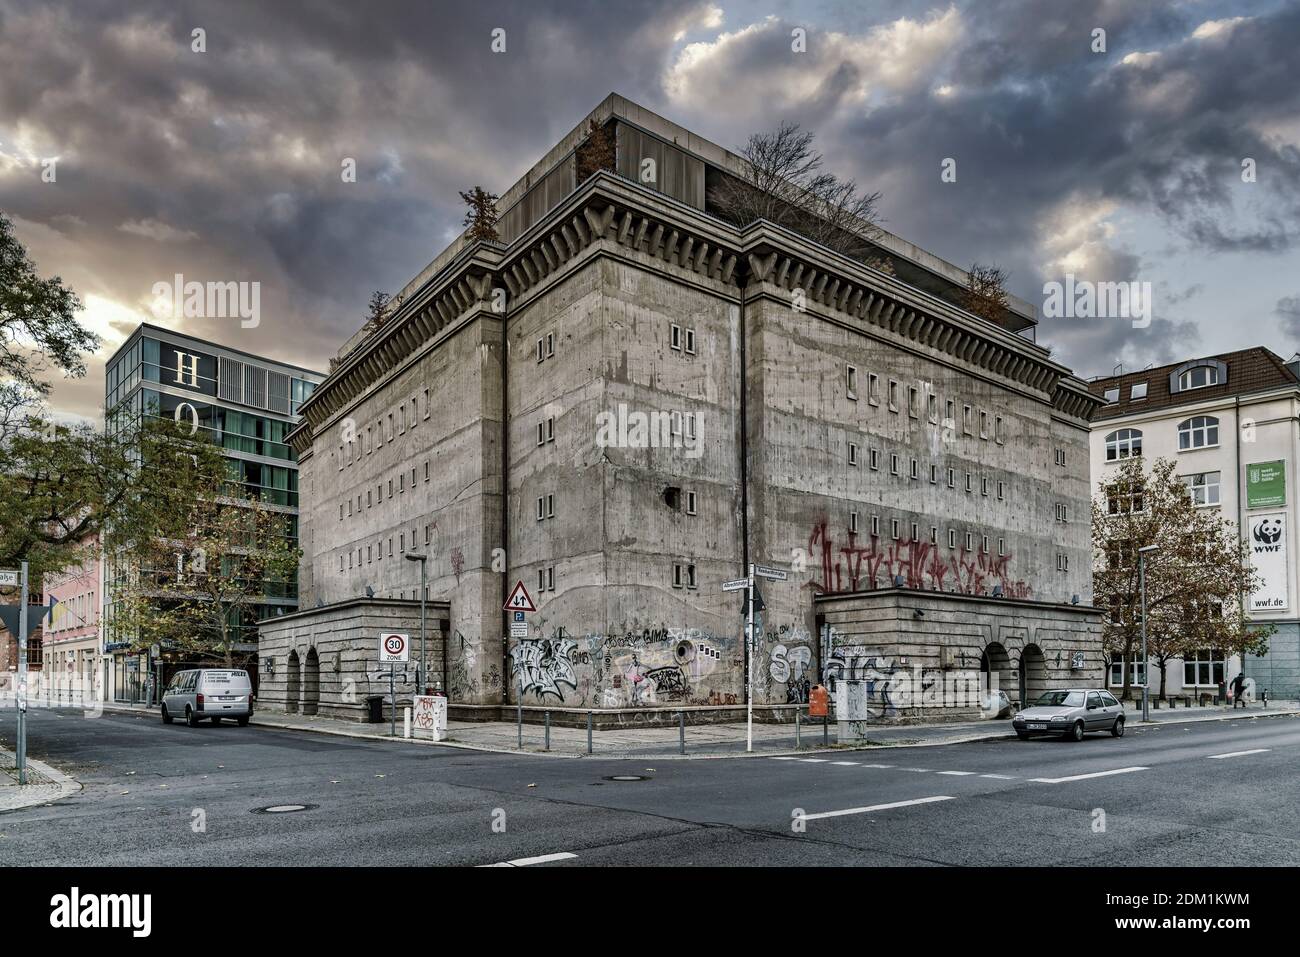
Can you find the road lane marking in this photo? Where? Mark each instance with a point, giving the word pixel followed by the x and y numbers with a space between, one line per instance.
pixel 786 759
pixel 815 760
pixel 958 774
pixel 1237 754
pixel 877 765
pixel 917 770
pixel 876 807
pixel 1082 777
pixel 526 861
pixel 845 764
pixel 1000 777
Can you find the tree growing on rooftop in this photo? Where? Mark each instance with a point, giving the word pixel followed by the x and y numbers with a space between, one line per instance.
pixel 782 181
pixel 986 292
pixel 598 151
pixel 481 219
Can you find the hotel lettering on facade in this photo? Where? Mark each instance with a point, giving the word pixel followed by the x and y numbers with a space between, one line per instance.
pixel 626 401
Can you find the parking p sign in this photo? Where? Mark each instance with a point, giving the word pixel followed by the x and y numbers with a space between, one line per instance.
pixel 394 649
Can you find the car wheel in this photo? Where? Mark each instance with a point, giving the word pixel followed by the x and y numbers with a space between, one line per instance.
pixel 1118 729
pixel 191 718
pixel 1076 733
pixel 243 722
pixel 167 719
pixel 1022 735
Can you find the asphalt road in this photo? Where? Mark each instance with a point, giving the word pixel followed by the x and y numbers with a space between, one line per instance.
pixel 1166 796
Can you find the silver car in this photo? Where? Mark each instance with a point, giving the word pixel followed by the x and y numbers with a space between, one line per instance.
pixel 214 693
pixel 1071 713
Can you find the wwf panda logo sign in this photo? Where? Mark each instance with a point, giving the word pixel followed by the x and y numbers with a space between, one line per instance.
pixel 1268 555
pixel 1267 531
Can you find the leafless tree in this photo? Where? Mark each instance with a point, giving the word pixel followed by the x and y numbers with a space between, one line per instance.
pixel 482 216
pixel 783 182
pixel 596 152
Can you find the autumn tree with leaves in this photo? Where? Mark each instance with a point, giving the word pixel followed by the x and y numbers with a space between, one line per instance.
pixel 481 219
pixel 195 586
pixel 598 151
pixel 986 292
pixel 1195 579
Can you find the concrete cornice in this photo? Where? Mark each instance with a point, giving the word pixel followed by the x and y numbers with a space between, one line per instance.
pixel 897 595
pixel 618 217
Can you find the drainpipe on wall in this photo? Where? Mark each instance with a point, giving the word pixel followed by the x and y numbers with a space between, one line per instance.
pixel 505 504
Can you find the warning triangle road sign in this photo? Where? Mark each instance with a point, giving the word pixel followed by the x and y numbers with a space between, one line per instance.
pixel 519 599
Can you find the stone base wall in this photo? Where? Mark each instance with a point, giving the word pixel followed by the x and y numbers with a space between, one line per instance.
pixel 325 660
pixel 922 655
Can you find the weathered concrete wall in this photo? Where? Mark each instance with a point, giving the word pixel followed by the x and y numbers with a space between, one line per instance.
pixel 1026 647
pixel 616 631
pixel 415 465
pixel 344 637
pixel 806 488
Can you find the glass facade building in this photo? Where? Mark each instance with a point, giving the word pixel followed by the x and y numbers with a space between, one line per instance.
pixel 246 405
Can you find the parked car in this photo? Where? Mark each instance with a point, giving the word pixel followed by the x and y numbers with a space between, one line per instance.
pixel 212 693
pixel 1071 712
pixel 996 704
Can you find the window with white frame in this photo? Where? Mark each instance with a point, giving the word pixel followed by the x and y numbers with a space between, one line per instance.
pixel 1136 670
pixel 853 454
pixel 913 401
pixel 894 529
pixel 893 395
pixel 675 338
pixel 1123 444
pixel 1198 432
pixel 690 503
pixel 873 458
pixel 952 538
pixel 1198 378
pixel 873 388
pixel 1203 487
pixel 690 342
pixel 853 523
pixel 851 382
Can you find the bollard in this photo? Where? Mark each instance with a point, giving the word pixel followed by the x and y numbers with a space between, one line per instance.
pixel 826 731
pixel 681 731
pixel 589 732
pixel 548 731
pixel 520 721
pixel 406 722
pixel 798 713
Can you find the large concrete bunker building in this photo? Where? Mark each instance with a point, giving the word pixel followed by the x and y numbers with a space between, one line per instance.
pixel 628 400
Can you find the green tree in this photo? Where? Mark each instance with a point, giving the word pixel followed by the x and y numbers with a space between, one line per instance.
pixel 1196 578
pixel 38 324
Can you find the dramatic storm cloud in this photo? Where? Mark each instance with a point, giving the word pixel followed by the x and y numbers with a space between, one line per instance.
pixel 225 164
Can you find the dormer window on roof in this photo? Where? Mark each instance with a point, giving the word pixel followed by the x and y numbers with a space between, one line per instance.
pixel 1138 391
pixel 1198 374
pixel 1112 395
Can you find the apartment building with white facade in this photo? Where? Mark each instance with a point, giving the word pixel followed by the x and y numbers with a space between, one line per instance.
pixel 1231 422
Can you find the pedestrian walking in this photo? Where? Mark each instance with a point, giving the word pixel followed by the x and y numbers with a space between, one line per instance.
pixel 1238 690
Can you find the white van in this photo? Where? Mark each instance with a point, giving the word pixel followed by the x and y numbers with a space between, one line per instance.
pixel 209 693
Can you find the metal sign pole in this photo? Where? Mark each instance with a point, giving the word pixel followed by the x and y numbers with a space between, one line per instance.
pixel 21 747
pixel 392 698
pixel 749 676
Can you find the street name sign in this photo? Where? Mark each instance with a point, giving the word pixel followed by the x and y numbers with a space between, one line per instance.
pixel 765 571
pixel 736 585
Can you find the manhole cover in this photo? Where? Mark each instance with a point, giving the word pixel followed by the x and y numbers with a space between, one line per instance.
pixel 627 777
pixel 284 808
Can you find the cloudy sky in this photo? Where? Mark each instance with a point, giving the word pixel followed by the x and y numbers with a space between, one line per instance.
pixel 225 164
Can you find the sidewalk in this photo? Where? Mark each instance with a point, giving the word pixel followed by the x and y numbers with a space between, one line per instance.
pixel 44 784
pixel 711 740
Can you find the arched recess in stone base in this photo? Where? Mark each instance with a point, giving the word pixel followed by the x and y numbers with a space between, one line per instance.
pixel 996 670
pixel 311 683
pixel 293 683
pixel 1033 674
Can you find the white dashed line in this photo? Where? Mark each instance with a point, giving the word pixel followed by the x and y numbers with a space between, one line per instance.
pixel 917 770
pixel 787 758
pixel 875 807
pixel 525 861
pixel 1082 777
pixel 958 774
pixel 1237 754
pixel 845 764
pixel 815 760
pixel 877 765
pixel 1000 777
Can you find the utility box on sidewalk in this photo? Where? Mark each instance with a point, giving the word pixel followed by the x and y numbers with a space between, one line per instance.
pixel 853 709
pixel 429 717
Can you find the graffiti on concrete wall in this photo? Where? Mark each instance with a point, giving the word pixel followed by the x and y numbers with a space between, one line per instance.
pixel 852 564
pixel 789 662
pixel 544 666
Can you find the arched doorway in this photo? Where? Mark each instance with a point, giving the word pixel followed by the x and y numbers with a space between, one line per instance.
pixel 311 683
pixel 995 669
pixel 1033 674
pixel 292 683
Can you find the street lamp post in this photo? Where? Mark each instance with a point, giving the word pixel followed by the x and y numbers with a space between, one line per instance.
pixel 422 678
pixel 1146 670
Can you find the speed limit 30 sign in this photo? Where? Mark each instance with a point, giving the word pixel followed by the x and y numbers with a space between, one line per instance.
pixel 394 648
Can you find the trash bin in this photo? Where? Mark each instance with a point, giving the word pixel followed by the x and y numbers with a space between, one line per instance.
pixel 375 708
